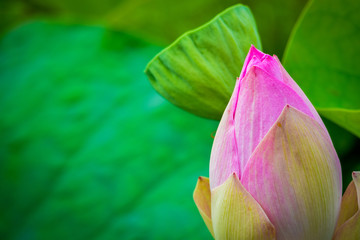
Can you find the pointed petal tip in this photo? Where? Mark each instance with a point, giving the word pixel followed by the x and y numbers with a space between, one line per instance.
pixel 276 57
pixel 285 110
pixel 254 71
pixel 202 186
pixel 254 56
pixel 255 53
pixel 202 199
pixel 233 178
pixel 259 69
pixel 201 178
pixel 356 175
pixel 253 50
pixel 284 113
pixel 290 111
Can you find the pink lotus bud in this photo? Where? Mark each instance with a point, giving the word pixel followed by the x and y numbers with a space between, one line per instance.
pixel 274 172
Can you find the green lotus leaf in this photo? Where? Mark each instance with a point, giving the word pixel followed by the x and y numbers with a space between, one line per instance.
pixel 275 19
pixel 198 71
pixel 349 119
pixel 321 56
pixel 159 20
pixel 88 149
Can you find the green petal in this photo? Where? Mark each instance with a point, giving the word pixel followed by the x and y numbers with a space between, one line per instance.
pixel 198 71
pixel 348 227
pixel 236 214
pixel 202 198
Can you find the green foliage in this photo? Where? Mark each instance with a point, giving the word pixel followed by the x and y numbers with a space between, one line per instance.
pixel 348 119
pixel 198 71
pixel 322 57
pixel 88 149
pixel 159 20
pixel 163 20
pixel 275 19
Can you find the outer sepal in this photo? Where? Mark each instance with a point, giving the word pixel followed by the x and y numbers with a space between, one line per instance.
pixel 348 225
pixel 236 215
pixel 202 198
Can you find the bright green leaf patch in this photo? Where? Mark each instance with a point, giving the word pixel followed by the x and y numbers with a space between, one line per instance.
pixel 348 119
pixel 198 71
pixel 159 20
pixel 275 20
pixel 88 149
pixel 322 57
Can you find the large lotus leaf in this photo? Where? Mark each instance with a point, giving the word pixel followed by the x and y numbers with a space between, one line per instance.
pixel 88 149
pixel 322 57
pixel 163 20
pixel 275 19
pixel 198 71
pixel 159 20
pixel 349 119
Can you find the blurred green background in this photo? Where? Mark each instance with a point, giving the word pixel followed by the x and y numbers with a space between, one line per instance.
pixel 88 149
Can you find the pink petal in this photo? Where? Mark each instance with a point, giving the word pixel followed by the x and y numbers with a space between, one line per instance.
pixel 260 94
pixel 253 57
pixel 224 155
pixel 260 101
pixel 272 65
pixel 295 175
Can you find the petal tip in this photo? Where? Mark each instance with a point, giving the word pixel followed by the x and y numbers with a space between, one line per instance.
pixel 254 52
pixel 253 48
pixel 201 178
pixel 202 199
pixel 234 177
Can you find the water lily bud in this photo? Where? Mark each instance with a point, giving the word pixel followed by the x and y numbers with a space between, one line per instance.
pixel 274 173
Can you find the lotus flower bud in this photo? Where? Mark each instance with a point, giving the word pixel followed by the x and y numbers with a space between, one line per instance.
pixel 274 173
